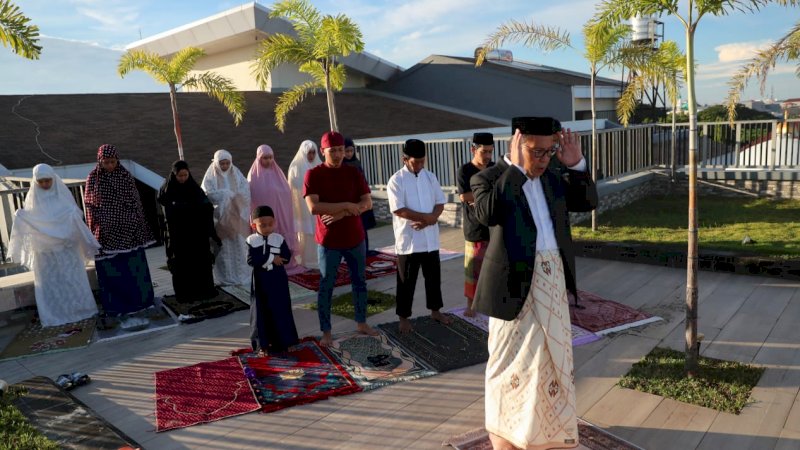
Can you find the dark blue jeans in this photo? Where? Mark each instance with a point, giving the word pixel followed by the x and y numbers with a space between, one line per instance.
pixel 329 260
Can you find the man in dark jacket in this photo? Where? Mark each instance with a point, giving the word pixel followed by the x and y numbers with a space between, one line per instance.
pixel 528 267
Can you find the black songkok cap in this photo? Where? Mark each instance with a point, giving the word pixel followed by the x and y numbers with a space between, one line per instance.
pixel 261 211
pixel 540 126
pixel 414 148
pixel 483 139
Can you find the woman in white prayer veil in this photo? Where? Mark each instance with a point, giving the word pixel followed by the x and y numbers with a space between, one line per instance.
pixel 229 192
pixel 304 160
pixel 50 238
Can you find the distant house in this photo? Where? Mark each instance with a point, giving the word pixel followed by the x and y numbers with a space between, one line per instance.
pixel 231 38
pixel 504 89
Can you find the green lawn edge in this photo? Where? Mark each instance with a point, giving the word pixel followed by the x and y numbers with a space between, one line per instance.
pixel 342 305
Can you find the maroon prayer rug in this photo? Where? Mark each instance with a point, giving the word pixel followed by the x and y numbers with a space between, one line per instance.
pixel 304 374
pixel 202 393
pixel 378 265
pixel 602 316
pixel 590 437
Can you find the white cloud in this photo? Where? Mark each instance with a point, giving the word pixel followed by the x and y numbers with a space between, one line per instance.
pixel 109 15
pixel 728 69
pixel 739 51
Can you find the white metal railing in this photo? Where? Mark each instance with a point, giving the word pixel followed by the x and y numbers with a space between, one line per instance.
pixel 754 145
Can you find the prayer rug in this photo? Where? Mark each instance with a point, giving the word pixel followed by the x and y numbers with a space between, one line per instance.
pixel 374 361
pixel 242 292
pixel 378 265
pixel 202 393
pixel 64 419
pixel 304 374
pixel 579 335
pixel 155 317
pixel 191 312
pixel 441 347
pixel 36 340
pixel 602 316
pixel 590 437
pixel 444 254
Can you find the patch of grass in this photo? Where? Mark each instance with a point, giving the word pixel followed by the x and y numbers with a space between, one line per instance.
pixel 723 222
pixel 343 304
pixel 15 431
pixel 721 385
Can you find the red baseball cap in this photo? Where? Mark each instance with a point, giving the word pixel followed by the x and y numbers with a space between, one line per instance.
pixel 331 139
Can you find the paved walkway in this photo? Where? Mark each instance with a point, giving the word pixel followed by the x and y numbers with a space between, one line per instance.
pixel 747 319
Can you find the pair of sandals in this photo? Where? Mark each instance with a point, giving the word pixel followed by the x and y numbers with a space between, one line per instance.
pixel 73 380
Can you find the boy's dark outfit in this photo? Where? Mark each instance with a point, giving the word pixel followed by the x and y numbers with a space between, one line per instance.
pixel 272 326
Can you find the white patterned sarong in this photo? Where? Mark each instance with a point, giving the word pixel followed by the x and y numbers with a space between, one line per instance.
pixel 530 391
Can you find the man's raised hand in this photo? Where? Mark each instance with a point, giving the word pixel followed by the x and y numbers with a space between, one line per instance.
pixel 569 152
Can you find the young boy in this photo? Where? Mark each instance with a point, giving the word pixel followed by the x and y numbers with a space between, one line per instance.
pixel 271 321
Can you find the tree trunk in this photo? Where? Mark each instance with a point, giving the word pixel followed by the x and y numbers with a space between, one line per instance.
pixel 672 147
pixel 329 96
pixel 176 121
pixel 594 144
pixel 691 252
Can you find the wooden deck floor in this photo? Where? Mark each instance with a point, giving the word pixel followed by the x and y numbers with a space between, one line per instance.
pixel 748 319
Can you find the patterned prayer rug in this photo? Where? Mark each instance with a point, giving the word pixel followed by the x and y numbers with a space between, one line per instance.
pixel 602 316
pixel 444 254
pixel 64 419
pixel 441 347
pixel 155 318
pixel 202 393
pixel 191 312
pixel 304 374
pixel 579 335
pixel 374 361
pixel 36 340
pixel 241 292
pixel 378 265
pixel 591 437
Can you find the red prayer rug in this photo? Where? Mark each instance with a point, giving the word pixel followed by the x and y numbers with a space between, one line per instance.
pixel 202 393
pixel 602 316
pixel 304 374
pixel 378 265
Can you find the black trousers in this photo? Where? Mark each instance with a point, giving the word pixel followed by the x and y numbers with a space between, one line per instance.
pixel 407 271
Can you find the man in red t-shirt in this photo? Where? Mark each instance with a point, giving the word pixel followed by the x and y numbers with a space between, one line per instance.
pixel 337 195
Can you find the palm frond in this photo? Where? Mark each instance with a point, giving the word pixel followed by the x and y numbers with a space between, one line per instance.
pixel 338 76
pixel 600 41
pixel 148 62
pixel 275 50
pixel 529 34
pixel 305 18
pixel 614 12
pixel 315 69
pixel 182 62
pixel 221 89
pixel 338 35
pixel 17 33
pixel 290 99
pixel 786 48
pixel 627 102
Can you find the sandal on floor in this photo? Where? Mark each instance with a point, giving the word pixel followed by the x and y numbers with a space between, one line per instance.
pixel 79 379
pixel 64 381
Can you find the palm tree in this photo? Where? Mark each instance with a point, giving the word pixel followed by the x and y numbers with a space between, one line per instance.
pixel 174 72
pixel 786 48
pixel 664 67
pixel 604 47
pixel 15 32
pixel 320 40
pixel 612 12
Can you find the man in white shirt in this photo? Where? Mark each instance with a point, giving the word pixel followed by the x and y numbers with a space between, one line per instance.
pixel 528 268
pixel 416 201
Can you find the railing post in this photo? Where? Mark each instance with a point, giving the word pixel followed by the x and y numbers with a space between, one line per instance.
pixel 771 157
pixel 738 145
pixel 704 147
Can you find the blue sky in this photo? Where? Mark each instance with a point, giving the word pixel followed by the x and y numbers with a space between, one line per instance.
pixel 83 39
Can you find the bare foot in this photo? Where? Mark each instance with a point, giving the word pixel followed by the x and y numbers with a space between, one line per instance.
pixel 327 339
pixel 499 443
pixel 469 312
pixel 441 318
pixel 363 328
pixel 405 325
